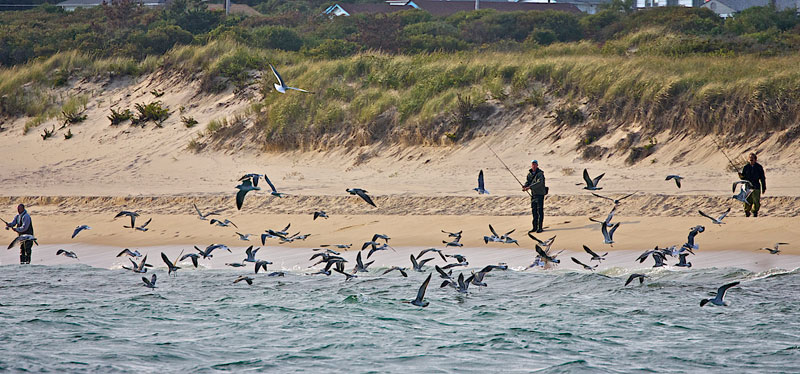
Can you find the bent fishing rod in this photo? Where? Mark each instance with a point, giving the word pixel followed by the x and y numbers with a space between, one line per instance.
pixel 509 170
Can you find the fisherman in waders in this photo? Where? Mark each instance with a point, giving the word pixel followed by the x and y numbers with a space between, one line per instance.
pixel 535 183
pixel 754 173
pixel 22 225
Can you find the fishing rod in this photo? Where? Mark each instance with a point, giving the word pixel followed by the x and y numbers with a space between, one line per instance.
pixel 509 170
pixel 725 154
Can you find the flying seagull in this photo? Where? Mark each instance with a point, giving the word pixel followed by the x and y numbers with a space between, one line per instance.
pixel 682 261
pixel 439 251
pixel 251 254
pixel 677 179
pixel 79 229
pixel 587 267
pixel 281 85
pixel 67 253
pixel 22 238
pixel 608 219
pixel 608 235
pixel 591 184
pixel 193 256
pixel 453 234
pixel 133 216
pixel 418 301
pixel 126 251
pixel 641 278
pixel 481 187
pixel 340 246
pixel 347 276
pixel 210 248
pixel 144 226
pixel 224 223
pixel 454 243
pixel 204 216
pixel 716 220
pixel 418 265
pixel 720 295
pixel 244 237
pixel 170 266
pixel 361 193
pixel 274 191
pixel 744 192
pixel 244 188
pixel 319 214
pixel 141 267
pixel 244 278
pixel 401 270
pixel 595 256
pixel 690 244
pixel 775 249
pixel 262 264
pixel 235 264
pixel 149 283
pixel 546 256
pixel 253 177
pixel 360 265
pixel 380 236
pixel 615 201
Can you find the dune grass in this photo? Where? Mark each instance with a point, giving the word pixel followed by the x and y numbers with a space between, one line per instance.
pixel 373 96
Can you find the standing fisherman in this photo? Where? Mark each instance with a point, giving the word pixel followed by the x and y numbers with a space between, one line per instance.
pixel 535 183
pixel 22 225
pixel 754 173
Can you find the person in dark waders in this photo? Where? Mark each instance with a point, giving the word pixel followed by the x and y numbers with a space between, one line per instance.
pixel 22 225
pixel 754 173
pixel 535 183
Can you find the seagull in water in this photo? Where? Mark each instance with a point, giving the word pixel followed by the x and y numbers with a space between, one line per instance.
pixel 720 295
pixel 204 216
pixel 418 301
pixel 244 188
pixel 79 229
pixel 481 187
pixel 281 85
pixel 133 216
pixel 149 283
pixel 361 193
pixel 67 253
pixel 716 220
pixel 775 249
pixel 641 278
pixel 677 179
pixel 591 184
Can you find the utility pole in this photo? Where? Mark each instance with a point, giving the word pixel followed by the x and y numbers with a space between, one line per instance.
pixel 227 7
pixel 477 4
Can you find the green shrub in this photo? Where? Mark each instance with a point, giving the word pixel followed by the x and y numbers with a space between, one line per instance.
pixel 151 112
pixel 189 122
pixel 333 48
pixel 569 115
pixel 276 37
pixel 119 117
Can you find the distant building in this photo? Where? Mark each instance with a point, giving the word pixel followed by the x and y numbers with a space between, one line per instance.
pixel 727 8
pixel 445 8
pixel 70 5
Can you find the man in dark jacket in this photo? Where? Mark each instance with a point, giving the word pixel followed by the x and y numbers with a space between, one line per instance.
pixel 535 183
pixel 22 225
pixel 754 173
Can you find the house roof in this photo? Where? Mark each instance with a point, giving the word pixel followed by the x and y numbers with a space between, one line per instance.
pixel 372 8
pixel 242 9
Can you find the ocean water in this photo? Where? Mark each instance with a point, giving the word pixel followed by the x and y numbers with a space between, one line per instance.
pixel 77 318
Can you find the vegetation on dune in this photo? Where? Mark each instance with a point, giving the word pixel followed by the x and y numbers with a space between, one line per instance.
pixel 410 77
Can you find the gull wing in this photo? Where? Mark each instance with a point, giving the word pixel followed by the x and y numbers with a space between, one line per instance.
pixel 278 76
pixel 596 180
pixel 480 180
pixel 613 228
pixel 199 213
pixel 601 196
pixel 298 89
pixel 423 288
pixel 366 197
pixel 269 182
pixel 707 216
pixel 492 230
pixel 721 291
pixel 724 214
pixel 586 178
pixel 240 198
pixel 146 223
pixel 589 251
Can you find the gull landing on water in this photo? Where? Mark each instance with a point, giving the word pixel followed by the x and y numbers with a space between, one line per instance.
pixel 720 295
pixel 149 283
pixel 281 85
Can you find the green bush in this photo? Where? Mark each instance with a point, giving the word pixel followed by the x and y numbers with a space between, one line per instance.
pixel 151 112
pixel 118 117
pixel 333 48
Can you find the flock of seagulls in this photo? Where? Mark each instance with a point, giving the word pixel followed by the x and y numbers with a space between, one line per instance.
pixel 332 261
